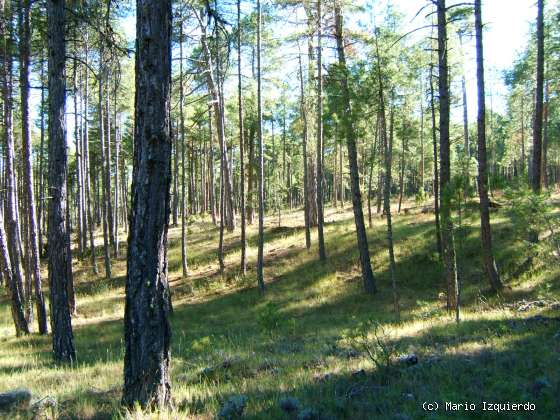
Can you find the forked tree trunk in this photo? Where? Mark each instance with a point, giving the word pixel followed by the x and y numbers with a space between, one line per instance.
pixel 60 273
pixel 33 246
pixel 147 330
pixel 367 273
pixel 10 205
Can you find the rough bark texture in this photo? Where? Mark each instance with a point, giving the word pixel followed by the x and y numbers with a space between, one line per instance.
pixel 367 273
pixel 33 245
pixel 447 240
pixel 260 256
pixel 60 276
pixel 241 147
pixel 146 323
pixel 536 178
pixel 320 151
pixel 485 231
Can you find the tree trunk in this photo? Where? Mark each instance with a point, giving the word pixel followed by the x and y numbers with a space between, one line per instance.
pixel 536 179
pixel 33 247
pixel 184 264
pixel 485 230
pixel 367 273
pixel 60 276
pixel 320 147
pixel 104 179
pixel 435 158
pixel 10 207
pixel 146 321
pixel 87 171
pixel 211 168
pixel 447 239
pixel 241 147
pixel 40 216
pixel 260 258
pixel 215 92
pixel 305 180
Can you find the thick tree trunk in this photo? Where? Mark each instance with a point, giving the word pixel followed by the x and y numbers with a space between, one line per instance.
pixel 33 246
pixel 536 178
pixel 146 325
pixel 447 239
pixel 485 230
pixel 367 273
pixel 60 273
pixel 260 255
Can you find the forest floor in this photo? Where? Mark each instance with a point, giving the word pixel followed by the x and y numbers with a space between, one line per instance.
pixel 298 345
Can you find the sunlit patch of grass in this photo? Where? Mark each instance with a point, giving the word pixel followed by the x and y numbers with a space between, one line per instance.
pixel 222 348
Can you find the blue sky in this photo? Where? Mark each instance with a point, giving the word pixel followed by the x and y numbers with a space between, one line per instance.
pixel 507 29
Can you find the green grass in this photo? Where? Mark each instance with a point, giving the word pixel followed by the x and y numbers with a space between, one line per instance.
pixel 229 340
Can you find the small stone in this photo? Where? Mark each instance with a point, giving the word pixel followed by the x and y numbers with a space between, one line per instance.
pixel 309 414
pixel 40 407
pixel 539 385
pixel 233 408
pixel 18 398
pixel 408 359
pixel 289 404
pixel 408 396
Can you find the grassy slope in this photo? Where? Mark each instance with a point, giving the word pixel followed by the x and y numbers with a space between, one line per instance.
pixel 493 355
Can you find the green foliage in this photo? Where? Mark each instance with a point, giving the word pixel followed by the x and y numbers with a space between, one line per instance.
pixel 269 317
pixel 534 222
pixel 372 338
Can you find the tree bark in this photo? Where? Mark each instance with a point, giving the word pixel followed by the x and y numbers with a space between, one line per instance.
pixel 536 178
pixel 320 147
pixel 241 147
pixel 87 171
pixel 447 239
pixel 184 264
pixel 146 321
pixel 435 158
pixel 60 273
pixel 11 203
pixel 260 256
pixel 305 175
pixel 33 246
pixel 485 230
pixel 367 273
